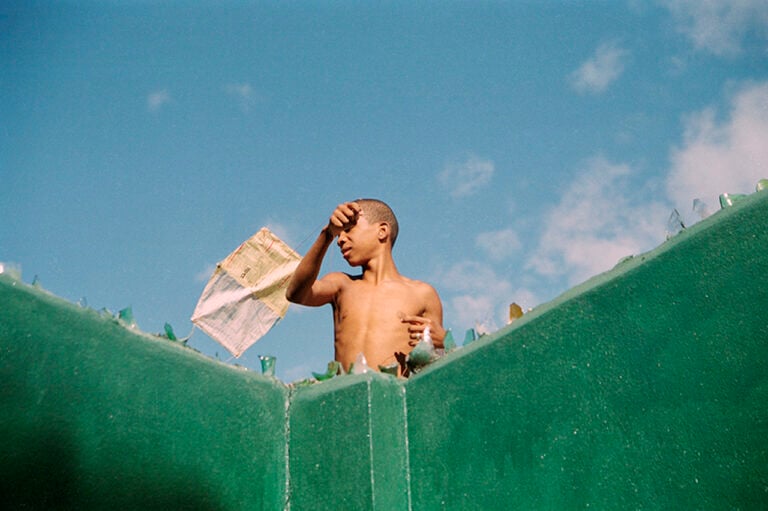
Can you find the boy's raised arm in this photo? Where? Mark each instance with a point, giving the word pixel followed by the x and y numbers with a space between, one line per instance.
pixel 305 288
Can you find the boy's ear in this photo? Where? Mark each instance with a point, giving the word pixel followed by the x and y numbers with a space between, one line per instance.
pixel 384 231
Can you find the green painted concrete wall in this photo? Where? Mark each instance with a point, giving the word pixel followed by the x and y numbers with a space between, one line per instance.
pixel 347 445
pixel 643 388
pixel 95 416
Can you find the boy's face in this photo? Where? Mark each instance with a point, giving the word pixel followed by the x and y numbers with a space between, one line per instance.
pixel 359 242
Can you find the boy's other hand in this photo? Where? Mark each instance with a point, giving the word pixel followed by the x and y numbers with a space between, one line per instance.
pixel 417 325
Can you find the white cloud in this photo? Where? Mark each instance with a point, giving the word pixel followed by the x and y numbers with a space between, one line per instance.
pixel 595 225
pixel 469 310
pixel 601 219
pixel 155 100
pixel 473 276
pixel 478 293
pixel 597 73
pixel 481 297
pixel 728 156
pixel 243 92
pixel 718 26
pixel 499 244
pixel 467 177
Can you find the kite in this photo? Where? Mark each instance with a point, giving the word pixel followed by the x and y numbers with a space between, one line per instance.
pixel 245 296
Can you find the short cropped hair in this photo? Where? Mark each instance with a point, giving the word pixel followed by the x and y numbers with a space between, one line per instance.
pixel 378 211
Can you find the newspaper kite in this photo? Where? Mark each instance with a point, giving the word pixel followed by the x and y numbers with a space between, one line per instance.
pixel 245 296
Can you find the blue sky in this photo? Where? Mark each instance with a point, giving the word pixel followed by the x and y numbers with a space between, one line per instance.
pixel 525 146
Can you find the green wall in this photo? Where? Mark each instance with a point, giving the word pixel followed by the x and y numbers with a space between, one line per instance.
pixel 347 440
pixel 644 387
pixel 95 416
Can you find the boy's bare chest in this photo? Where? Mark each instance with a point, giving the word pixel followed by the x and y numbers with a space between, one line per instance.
pixel 361 299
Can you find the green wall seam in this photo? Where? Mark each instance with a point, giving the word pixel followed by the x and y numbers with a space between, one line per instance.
pixel 407 449
pixel 287 453
pixel 370 444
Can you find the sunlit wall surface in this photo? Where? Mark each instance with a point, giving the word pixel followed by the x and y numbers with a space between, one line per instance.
pixel 644 387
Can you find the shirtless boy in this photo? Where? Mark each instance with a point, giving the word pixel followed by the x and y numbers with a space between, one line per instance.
pixel 378 313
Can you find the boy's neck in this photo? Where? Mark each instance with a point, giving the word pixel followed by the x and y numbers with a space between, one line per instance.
pixel 380 268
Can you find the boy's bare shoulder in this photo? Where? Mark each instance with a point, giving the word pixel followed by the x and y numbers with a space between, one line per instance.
pixel 337 277
pixel 416 283
pixel 419 286
pixel 340 279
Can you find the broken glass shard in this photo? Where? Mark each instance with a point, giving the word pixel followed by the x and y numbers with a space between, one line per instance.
pixel 675 224
pixel 729 199
pixel 360 366
pixel 390 369
pixel 13 270
pixel 267 365
pixel 701 209
pixel 169 332
pixel 333 370
pixel 515 312
pixel 449 343
pixel 424 351
pixel 125 316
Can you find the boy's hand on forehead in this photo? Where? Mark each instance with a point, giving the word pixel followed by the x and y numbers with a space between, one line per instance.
pixel 344 216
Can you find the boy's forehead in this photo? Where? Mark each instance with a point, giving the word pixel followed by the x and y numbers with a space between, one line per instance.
pixel 365 222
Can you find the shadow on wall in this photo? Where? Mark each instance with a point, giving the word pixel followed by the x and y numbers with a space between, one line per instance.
pixel 41 467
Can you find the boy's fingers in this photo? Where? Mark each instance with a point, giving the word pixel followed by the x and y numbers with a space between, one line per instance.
pixel 354 211
pixel 345 214
pixel 416 320
pixel 336 225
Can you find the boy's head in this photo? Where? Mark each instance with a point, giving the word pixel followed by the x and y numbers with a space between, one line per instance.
pixel 377 211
